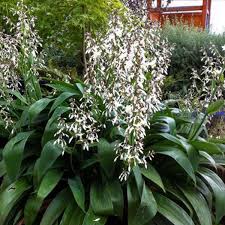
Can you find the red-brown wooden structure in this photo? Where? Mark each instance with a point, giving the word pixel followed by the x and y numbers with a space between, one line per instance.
pixel 199 16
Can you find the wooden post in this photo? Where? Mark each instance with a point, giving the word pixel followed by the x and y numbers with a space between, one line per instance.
pixel 149 7
pixel 159 4
pixel 204 13
pixel 149 4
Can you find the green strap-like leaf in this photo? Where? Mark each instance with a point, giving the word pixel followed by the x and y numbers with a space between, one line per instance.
pixel 199 204
pixel 139 179
pixel 67 215
pixel 52 125
pixel 32 208
pixel 92 219
pixel 171 211
pixel 218 188
pixel 215 106
pixel 73 215
pixel 13 154
pixel 133 199
pixel 208 147
pixel 208 157
pixel 77 217
pixel 179 156
pixel 116 194
pixel 49 154
pixel 48 183
pixel 56 207
pixel 179 196
pixel 153 175
pixel 37 107
pixel 65 87
pixel 78 191
pixel 205 191
pixel 106 155
pixel 10 197
pixel 147 208
pixel 100 200
pixel 170 121
pixel 61 99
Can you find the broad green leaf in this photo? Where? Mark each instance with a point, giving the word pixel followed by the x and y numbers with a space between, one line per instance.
pixel 218 188
pixel 116 194
pixel 179 156
pixel 77 217
pixel 170 121
pixel 61 99
pixel 67 215
pixel 138 178
pixel 17 217
pixel 169 137
pixel 32 208
pixel 13 154
pixel 80 87
pixel 64 87
pixel 2 168
pixel 215 106
pixel 147 208
pixel 100 199
pixel 92 219
pixel 56 207
pixel 171 211
pixel 78 191
pixel 133 200
pixel 106 153
pixel 199 204
pixel 179 195
pixel 11 196
pixel 37 107
pixel 48 183
pixel 206 191
pixel 19 96
pixel 52 125
pixel 153 175
pixel 208 147
pixel 208 157
pixel 49 154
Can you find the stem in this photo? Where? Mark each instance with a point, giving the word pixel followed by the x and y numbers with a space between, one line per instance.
pixel 198 130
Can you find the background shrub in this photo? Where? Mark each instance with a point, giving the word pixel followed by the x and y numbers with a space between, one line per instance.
pixel 189 42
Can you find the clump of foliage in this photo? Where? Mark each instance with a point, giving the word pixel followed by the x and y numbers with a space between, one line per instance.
pixel 189 42
pixel 46 181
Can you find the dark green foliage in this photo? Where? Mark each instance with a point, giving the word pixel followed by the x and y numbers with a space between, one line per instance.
pixel 81 188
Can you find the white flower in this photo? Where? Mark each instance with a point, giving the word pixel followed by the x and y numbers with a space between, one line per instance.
pixel 117 65
pixel 223 48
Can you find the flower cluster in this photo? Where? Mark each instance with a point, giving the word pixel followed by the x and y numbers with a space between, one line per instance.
pixel 8 73
pixel 126 68
pixel 211 74
pixel 18 56
pixel 82 126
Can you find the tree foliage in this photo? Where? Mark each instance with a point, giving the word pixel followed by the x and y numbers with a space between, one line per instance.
pixel 62 24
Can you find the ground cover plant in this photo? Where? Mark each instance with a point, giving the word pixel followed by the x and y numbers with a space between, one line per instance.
pixel 104 150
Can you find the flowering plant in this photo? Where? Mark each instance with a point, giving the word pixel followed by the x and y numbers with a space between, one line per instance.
pixel 125 68
pixel 58 166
